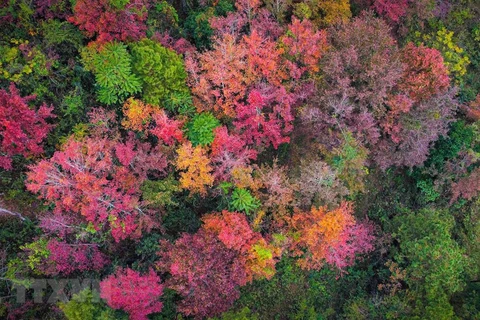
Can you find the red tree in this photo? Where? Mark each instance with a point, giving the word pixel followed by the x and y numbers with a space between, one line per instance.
pixel 205 272
pixel 67 258
pixel 425 74
pixel 208 267
pixel 132 292
pixel 22 130
pixel 101 18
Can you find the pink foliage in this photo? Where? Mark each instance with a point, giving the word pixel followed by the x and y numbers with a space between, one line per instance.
pixel 132 292
pixel 229 151
pixel 232 229
pixel 393 10
pixel 22 129
pixel 305 45
pixel 99 179
pixel 467 187
pixel 259 127
pixel 181 45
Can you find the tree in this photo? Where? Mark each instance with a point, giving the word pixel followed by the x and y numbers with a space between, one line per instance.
pixel 229 151
pixel 204 272
pixel 160 70
pixel 208 267
pixel 111 64
pixel 332 237
pixel 232 229
pixel 198 174
pixel 132 292
pixel 111 20
pixel 22 129
pixel 201 128
pixel 318 184
pixel 151 120
pixel 324 13
pixel 392 10
pixel 99 179
pixel 425 74
pixel 85 306
pixel 304 46
pixel 433 260
pixel 65 258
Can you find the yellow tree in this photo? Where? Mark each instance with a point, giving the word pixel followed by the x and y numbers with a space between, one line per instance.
pixel 196 175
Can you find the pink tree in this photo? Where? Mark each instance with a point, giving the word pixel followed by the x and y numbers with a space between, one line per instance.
pixel 99 179
pixel 132 292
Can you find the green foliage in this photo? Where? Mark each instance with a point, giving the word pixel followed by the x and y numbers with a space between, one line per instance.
pixel 146 250
pixel 350 162
pixel 434 261
pixel 242 200
pixel 37 253
pixel 160 193
pixel 15 65
pixel 162 17
pixel 113 72
pixel 180 219
pixel 180 102
pixel 87 305
pixel 159 69
pixel 200 129
pixel 243 314
pixel 198 29
pixel 118 4
pixel 57 32
pixel 428 191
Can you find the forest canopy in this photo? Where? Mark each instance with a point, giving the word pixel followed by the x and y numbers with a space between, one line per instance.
pixel 239 159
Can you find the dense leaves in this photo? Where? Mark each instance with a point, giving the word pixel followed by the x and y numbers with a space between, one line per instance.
pixel 239 159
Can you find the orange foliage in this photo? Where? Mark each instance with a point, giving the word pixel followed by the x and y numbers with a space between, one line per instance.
pixel 198 170
pixel 137 114
pixel 332 237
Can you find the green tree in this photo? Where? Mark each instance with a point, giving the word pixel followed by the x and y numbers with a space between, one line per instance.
pixel 160 70
pixel 111 65
pixel 200 129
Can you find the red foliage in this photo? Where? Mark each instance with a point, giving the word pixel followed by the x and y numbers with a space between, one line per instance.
pixel 99 17
pixel 305 46
pixel 99 179
pixel 22 130
pixel 333 237
pixel 392 10
pixel 467 187
pixel 166 129
pixel 232 229
pixel 425 74
pixel 205 272
pixel 266 118
pixel 68 258
pixel 208 267
pixel 132 292
pixel 245 76
pixel 473 109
